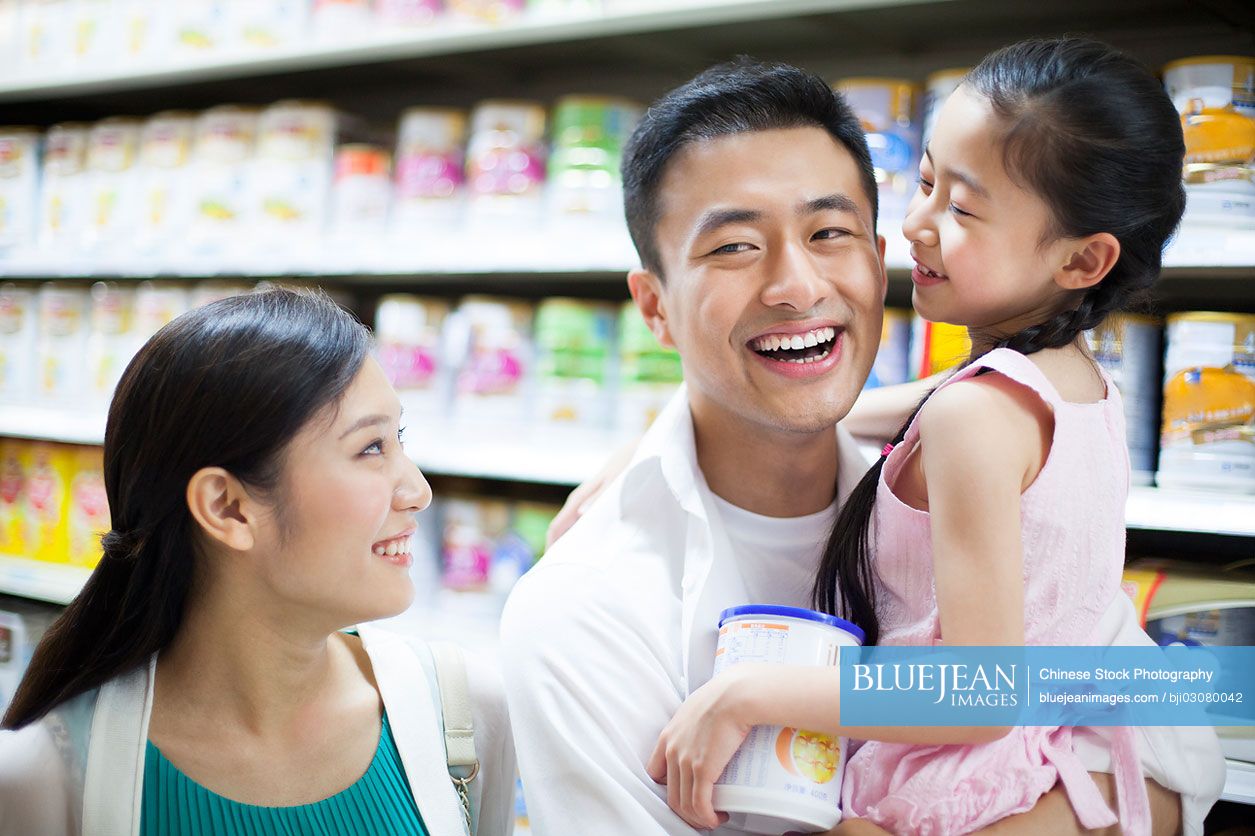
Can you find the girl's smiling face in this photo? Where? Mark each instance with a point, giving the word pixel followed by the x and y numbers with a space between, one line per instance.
pixel 985 253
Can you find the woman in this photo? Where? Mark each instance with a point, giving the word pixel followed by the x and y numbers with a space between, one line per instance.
pixel 261 503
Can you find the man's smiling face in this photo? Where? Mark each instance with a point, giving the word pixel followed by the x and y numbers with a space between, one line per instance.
pixel 774 278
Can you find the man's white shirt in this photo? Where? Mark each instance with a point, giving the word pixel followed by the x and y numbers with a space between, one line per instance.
pixel 618 623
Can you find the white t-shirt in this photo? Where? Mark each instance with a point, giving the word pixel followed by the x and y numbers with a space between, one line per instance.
pixel 777 556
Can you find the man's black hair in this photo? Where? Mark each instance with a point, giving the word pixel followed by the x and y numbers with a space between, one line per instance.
pixel 736 97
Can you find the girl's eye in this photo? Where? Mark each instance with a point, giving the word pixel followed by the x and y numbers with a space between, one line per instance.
pixel 375 448
pixel 925 186
pixel 732 249
pixel 956 210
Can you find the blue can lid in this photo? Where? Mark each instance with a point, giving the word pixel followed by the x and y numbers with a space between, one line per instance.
pixel 794 612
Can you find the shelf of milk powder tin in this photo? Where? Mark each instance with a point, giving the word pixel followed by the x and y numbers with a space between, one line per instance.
pixel 568 456
pixel 345 46
pixel 578 251
pixel 565 457
pixel 1239 782
pixel 1211 247
pixel 1191 511
pixel 57 583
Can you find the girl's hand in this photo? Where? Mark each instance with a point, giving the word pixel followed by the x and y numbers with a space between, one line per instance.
pixel 697 744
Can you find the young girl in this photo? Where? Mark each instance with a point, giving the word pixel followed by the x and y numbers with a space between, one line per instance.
pixel 1047 193
pixel 200 683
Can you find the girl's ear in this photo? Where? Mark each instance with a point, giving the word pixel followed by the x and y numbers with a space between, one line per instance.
pixel 222 508
pixel 1087 261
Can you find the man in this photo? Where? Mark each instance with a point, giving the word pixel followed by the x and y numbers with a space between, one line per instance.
pixel 751 200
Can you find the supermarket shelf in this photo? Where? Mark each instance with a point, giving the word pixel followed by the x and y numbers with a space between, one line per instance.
pixel 53 423
pixel 1157 509
pixel 1239 782
pixel 1209 247
pixel 570 249
pixel 444 38
pixel 565 458
pixel 570 456
pixel 577 251
pixel 56 583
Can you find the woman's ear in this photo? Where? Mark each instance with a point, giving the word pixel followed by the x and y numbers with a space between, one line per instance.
pixel 222 508
pixel 1087 261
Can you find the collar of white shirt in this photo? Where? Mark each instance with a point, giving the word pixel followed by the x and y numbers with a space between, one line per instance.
pixel 710 581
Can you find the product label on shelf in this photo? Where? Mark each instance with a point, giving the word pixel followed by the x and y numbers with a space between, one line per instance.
pixel 14 538
pixel 428 175
pixel 407 366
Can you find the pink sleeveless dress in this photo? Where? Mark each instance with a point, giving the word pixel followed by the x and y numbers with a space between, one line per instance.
pixel 1072 519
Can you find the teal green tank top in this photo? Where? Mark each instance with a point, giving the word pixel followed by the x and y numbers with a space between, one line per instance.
pixel 380 802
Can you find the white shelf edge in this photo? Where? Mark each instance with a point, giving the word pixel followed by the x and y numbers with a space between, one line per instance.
pixel 447 37
pixel 524 458
pixel 574 250
pixel 52 423
pixel 56 583
pixel 1158 509
pixel 560 456
pixel 1239 785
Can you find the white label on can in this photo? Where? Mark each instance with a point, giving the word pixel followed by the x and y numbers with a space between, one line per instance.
pixel 791 762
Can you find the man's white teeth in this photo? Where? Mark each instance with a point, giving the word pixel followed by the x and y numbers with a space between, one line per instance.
pixel 795 342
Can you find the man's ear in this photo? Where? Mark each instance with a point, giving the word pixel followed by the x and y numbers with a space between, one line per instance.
pixel 1087 261
pixel 884 271
pixel 222 508
pixel 647 292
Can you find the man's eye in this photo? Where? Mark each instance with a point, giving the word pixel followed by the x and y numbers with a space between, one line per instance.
pixel 832 233
pixel 732 249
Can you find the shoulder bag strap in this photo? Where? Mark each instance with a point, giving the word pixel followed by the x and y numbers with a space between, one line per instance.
pixel 459 723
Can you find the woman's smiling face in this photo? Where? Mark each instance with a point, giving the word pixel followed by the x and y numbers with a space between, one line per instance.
pixel 340 542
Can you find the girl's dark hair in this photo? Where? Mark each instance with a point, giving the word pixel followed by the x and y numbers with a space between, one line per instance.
pixel 1094 134
pixel 228 385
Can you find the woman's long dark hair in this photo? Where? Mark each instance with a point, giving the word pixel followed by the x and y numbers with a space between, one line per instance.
pixel 226 385
pixel 1094 134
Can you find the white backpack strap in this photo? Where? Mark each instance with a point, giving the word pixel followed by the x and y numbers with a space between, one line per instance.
pixel 459 722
